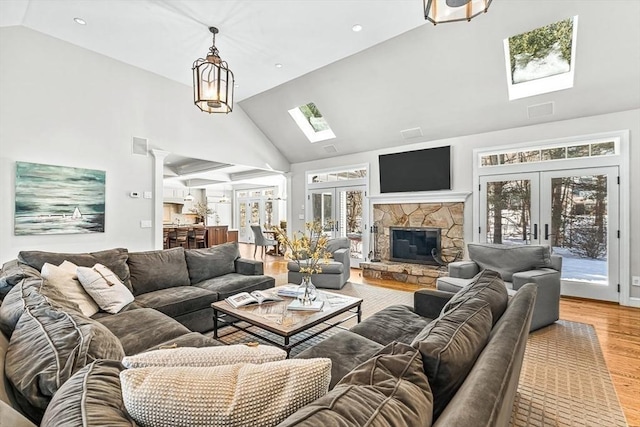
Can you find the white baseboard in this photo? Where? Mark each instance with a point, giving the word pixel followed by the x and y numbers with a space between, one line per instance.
pixel 634 302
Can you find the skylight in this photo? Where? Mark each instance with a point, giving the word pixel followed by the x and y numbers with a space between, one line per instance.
pixel 541 60
pixel 311 122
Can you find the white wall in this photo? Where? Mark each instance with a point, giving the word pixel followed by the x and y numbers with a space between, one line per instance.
pixel 63 105
pixel 462 164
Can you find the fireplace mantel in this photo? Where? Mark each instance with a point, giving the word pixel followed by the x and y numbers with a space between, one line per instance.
pixel 417 197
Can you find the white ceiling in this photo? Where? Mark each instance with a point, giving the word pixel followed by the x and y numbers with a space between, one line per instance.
pixel 397 73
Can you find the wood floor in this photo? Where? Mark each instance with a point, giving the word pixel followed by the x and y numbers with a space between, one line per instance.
pixel 618 330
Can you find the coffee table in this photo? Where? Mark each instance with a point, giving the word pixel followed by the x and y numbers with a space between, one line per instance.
pixel 275 318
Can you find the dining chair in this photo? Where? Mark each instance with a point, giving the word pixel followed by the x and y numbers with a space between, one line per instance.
pixel 197 236
pixel 261 240
pixel 182 237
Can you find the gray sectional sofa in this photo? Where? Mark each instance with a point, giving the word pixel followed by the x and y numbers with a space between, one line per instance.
pixel 173 292
pixel 450 360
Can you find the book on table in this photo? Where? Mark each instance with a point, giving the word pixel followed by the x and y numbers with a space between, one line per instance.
pixel 312 306
pixel 255 297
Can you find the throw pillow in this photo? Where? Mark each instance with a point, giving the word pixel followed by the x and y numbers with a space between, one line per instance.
pixel 47 347
pixel 232 395
pixel 212 262
pixel 105 288
pixel 509 259
pixel 205 356
pixel 450 346
pixel 64 278
pixel 90 398
pixel 389 389
pixel 487 286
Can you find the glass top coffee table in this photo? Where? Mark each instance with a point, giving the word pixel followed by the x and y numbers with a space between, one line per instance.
pixel 275 318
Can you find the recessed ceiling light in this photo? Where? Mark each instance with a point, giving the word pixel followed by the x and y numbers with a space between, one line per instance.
pixel 278 65
pixel 80 21
pixel 356 28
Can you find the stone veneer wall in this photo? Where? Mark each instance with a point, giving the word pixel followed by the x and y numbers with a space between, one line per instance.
pixel 448 217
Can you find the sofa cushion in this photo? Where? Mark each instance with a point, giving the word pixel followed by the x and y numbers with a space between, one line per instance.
pixel 211 262
pixel 346 351
pixel 142 329
pixel 450 345
pixel 155 270
pixel 13 272
pixel 243 395
pixel 47 347
pixel 487 286
pixel 90 398
pixel 65 278
pixel 509 259
pixel 205 356
pixel 233 283
pixel 178 301
pixel 13 304
pixel 390 389
pixel 114 259
pixel 192 339
pixel 395 323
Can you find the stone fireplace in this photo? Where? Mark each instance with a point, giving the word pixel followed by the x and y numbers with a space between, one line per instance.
pixel 446 217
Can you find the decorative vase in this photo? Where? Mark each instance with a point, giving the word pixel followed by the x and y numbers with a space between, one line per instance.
pixel 306 290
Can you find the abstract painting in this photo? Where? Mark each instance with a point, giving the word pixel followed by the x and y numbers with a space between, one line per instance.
pixel 58 200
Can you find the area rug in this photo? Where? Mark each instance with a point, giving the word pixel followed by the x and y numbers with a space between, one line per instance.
pixel 564 379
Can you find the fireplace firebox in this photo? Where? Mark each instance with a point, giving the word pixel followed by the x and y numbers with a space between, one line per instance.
pixel 414 244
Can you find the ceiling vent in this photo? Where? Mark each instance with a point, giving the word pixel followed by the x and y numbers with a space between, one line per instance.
pixel 540 110
pixel 140 146
pixel 411 133
pixel 330 149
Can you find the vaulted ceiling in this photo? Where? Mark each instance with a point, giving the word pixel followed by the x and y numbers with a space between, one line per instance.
pixel 397 73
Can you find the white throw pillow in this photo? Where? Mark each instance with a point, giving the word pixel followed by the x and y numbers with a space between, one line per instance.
pixel 205 356
pixel 64 278
pixel 105 288
pixel 232 395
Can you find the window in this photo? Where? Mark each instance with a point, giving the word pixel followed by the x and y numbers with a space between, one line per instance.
pixel 544 154
pixel 338 175
pixel 311 122
pixel 541 60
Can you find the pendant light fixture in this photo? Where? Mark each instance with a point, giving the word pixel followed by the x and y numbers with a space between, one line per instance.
pixel 189 197
pixel 213 81
pixel 439 11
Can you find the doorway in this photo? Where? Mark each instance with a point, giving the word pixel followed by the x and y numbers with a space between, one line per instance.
pixel 575 211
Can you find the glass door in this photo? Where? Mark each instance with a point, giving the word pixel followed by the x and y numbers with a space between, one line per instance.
pixel 575 211
pixel 580 222
pixel 341 210
pixel 509 208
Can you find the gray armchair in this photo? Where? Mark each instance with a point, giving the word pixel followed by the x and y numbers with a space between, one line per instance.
pixel 517 264
pixel 334 274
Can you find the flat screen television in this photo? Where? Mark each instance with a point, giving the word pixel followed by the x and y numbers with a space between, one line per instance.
pixel 420 170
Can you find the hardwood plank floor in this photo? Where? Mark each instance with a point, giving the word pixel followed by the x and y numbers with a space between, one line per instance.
pixel 618 330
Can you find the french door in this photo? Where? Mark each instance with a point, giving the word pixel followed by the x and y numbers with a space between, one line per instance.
pixel 341 210
pixel 573 210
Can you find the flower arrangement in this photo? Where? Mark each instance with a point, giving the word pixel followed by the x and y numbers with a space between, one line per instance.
pixel 202 210
pixel 307 248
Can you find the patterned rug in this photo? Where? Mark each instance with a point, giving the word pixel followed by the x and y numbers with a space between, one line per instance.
pixel 564 379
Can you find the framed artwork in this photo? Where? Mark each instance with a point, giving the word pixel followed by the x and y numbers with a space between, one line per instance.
pixel 541 60
pixel 58 200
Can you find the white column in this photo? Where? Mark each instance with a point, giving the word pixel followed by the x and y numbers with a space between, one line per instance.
pixel 158 195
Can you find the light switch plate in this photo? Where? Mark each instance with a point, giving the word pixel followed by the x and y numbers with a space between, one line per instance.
pixel 145 224
pixel 301 216
pixel 147 195
pixel 635 280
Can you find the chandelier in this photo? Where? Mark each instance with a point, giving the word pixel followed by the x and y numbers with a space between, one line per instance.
pixel 213 81
pixel 439 11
